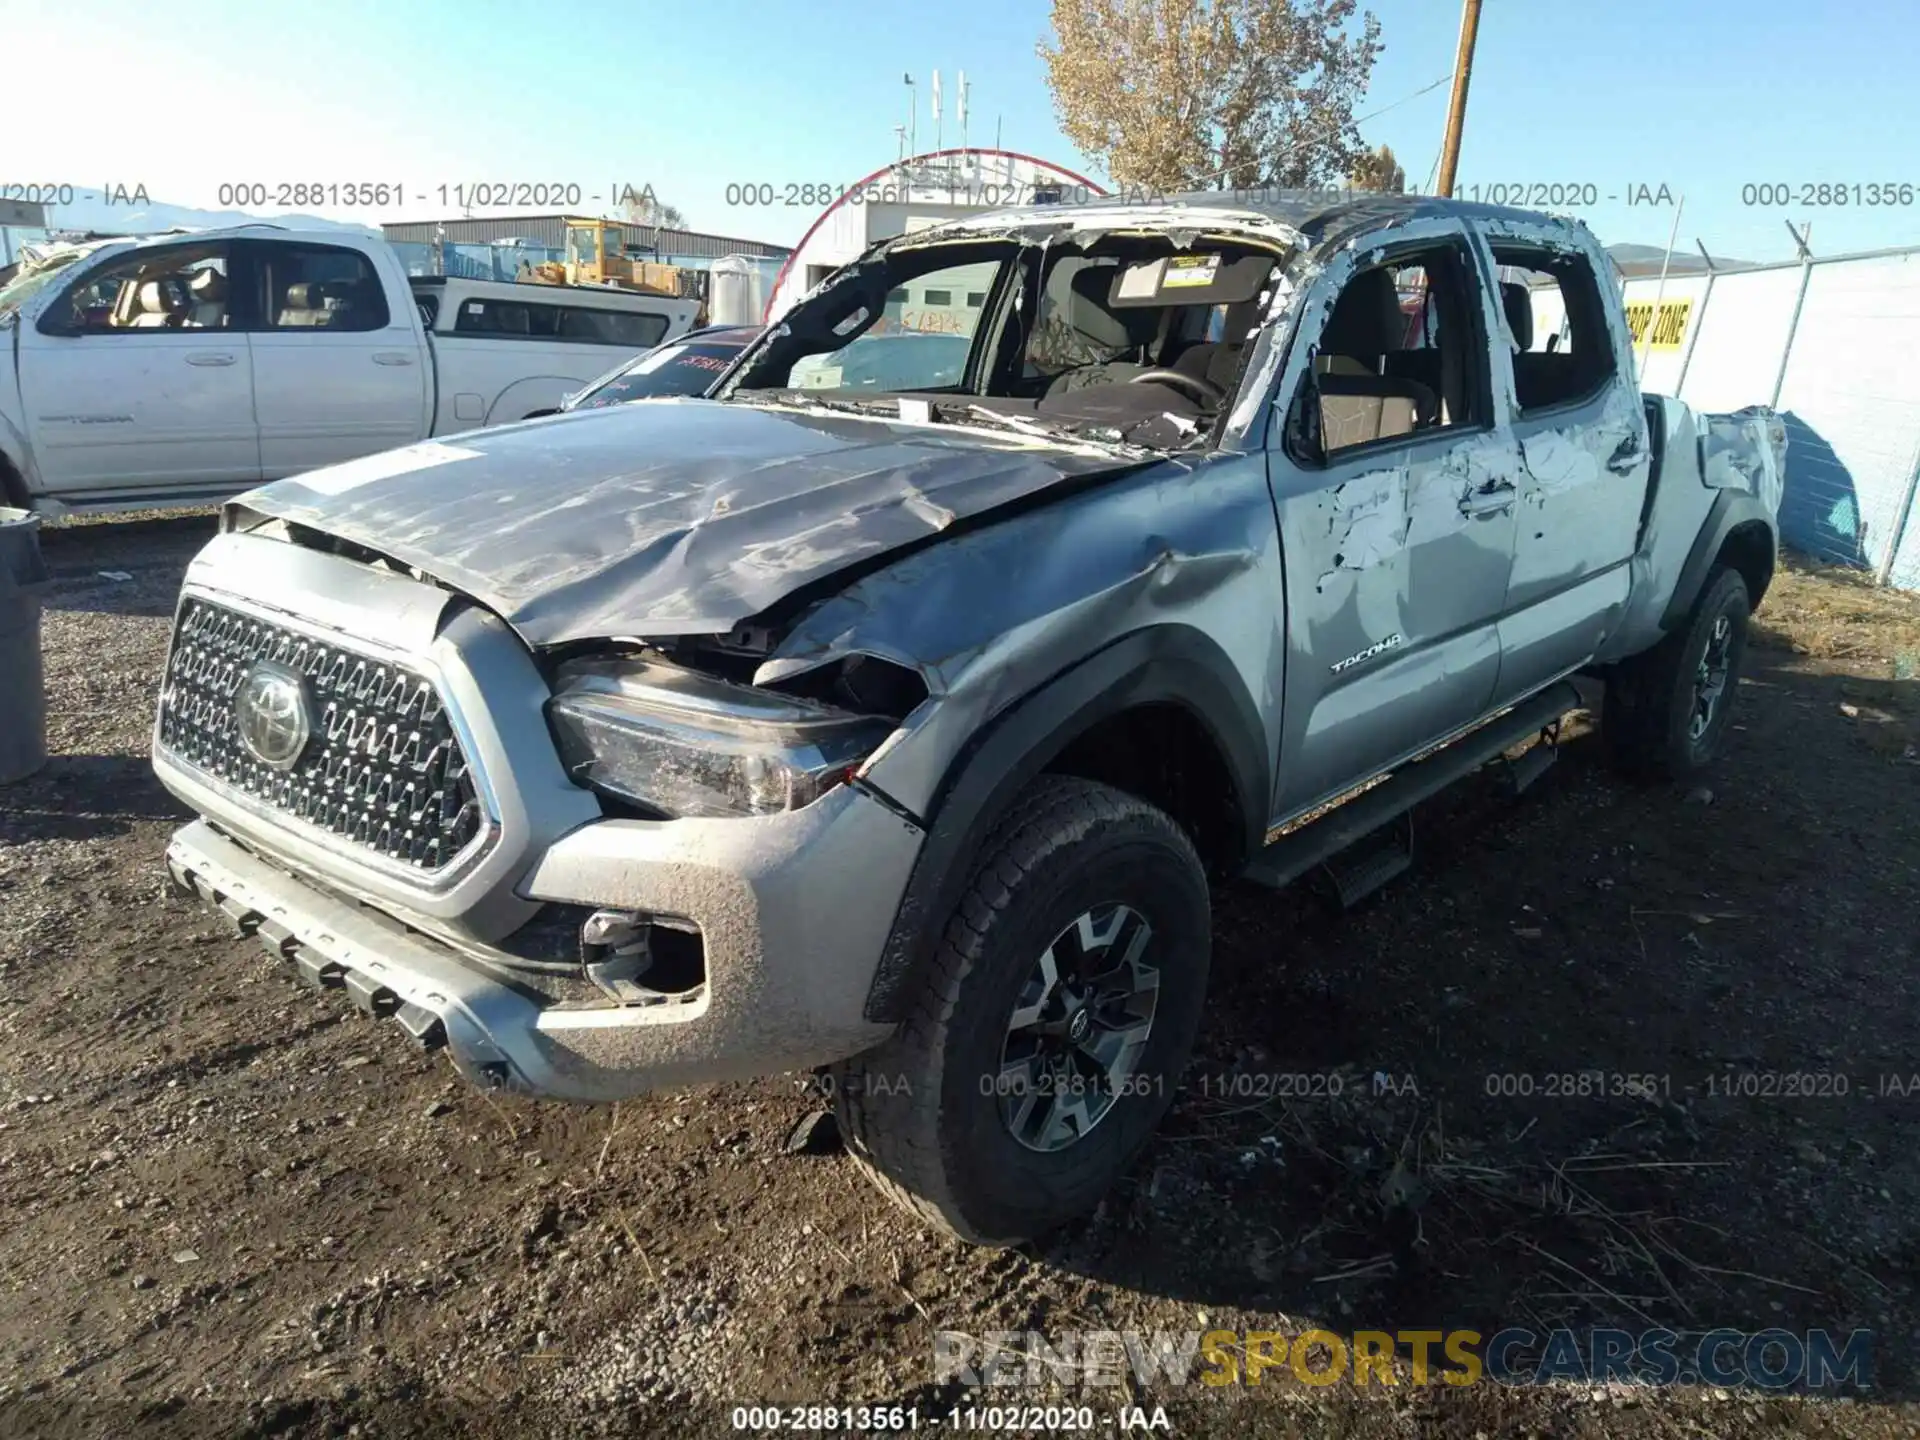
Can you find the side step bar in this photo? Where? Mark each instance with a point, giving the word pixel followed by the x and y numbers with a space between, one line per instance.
pixel 1294 854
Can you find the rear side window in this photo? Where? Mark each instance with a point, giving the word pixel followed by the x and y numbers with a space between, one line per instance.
pixel 1562 352
pixel 613 327
pixel 505 317
pixel 635 329
pixel 320 287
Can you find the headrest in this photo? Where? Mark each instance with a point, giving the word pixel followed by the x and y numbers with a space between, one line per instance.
pixel 304 297
pixel 1366 319
pixel 156 297
pixel 1517 300
pixel 208 286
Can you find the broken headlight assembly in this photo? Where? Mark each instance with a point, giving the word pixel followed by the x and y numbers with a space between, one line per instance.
pixel 685 744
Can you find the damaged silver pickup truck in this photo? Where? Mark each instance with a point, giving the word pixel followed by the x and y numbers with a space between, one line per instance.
pixel 899 734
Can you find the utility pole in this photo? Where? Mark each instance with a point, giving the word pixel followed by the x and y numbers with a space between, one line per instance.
pixel 1457 107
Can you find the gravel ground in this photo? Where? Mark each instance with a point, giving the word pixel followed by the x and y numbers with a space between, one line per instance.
pixel 234 1208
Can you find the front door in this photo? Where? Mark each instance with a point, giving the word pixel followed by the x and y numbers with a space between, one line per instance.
pixel 1394 478
pixel 136 377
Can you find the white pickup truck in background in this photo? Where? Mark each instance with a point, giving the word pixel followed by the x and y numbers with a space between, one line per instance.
pixel 181 369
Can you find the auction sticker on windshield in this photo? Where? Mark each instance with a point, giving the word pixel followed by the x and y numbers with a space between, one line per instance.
pixel 354 473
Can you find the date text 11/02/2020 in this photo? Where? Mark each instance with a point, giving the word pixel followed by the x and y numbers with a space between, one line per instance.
pixel 1565 194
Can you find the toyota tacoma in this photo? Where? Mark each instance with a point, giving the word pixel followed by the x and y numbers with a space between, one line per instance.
pixel 900 734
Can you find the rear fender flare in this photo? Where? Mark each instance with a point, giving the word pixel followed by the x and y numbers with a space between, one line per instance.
pixel 1731 510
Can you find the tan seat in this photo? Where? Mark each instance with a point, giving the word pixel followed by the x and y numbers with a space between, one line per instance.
pixel 161 306
pixel 302 305
pixel 208 293
pixel 1356 419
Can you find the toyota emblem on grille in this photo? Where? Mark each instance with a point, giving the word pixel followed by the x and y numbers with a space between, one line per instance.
pixel 274 715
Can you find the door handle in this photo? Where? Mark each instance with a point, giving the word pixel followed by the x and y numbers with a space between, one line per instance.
pixel 208 358
pixel 1495 500
pixel 392 357
pixel 1625 457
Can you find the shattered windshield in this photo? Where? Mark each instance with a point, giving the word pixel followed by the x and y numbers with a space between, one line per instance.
pixel 24 287
pixel 1116 337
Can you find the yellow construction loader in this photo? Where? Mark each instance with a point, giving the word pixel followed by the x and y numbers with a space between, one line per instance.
pixel 595 257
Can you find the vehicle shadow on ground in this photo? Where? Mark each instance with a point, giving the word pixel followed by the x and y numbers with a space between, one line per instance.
pixel 1561 1100
pixel 146 595
pixel 130 567
pixel 85 797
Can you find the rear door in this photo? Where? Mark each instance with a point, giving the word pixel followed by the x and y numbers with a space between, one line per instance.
pixel 1393 476
pixel 1582 437
pixel 135 378
pixel 338 371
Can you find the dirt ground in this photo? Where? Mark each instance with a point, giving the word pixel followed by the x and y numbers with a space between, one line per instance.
pixel 230 1207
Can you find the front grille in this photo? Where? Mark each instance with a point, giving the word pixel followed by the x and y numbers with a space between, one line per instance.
pixel 384 768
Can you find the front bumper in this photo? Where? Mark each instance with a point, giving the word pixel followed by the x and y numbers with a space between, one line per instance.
pixel 793 911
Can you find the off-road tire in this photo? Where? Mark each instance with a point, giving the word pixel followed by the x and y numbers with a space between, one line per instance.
pixel 917 1113
pixel 1650 697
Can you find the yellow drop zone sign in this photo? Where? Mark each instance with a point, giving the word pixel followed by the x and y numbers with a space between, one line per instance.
pixel 1668 330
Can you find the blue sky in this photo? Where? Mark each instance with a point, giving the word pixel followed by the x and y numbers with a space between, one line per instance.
pixel 1702 98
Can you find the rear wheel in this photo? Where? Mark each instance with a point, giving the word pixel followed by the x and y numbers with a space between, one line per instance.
pixel 1666 710
pixel 1047 1043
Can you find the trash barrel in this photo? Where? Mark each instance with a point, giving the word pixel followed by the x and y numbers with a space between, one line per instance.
pixel 23 697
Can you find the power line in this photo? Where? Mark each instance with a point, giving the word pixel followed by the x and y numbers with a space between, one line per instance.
pixel 1403 100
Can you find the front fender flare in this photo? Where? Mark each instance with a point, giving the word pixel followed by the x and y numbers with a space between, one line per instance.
pixel 1163 664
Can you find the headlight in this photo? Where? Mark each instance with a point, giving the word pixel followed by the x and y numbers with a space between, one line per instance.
pixel 686 744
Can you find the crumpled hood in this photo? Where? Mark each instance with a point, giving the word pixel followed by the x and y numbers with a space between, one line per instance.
pixel 665 517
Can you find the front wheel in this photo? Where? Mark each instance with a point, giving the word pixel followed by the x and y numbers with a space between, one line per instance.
pixel 1045 1047
pixel 1666 709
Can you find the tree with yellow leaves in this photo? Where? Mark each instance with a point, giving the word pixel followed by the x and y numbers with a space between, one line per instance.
pixel 1173 95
